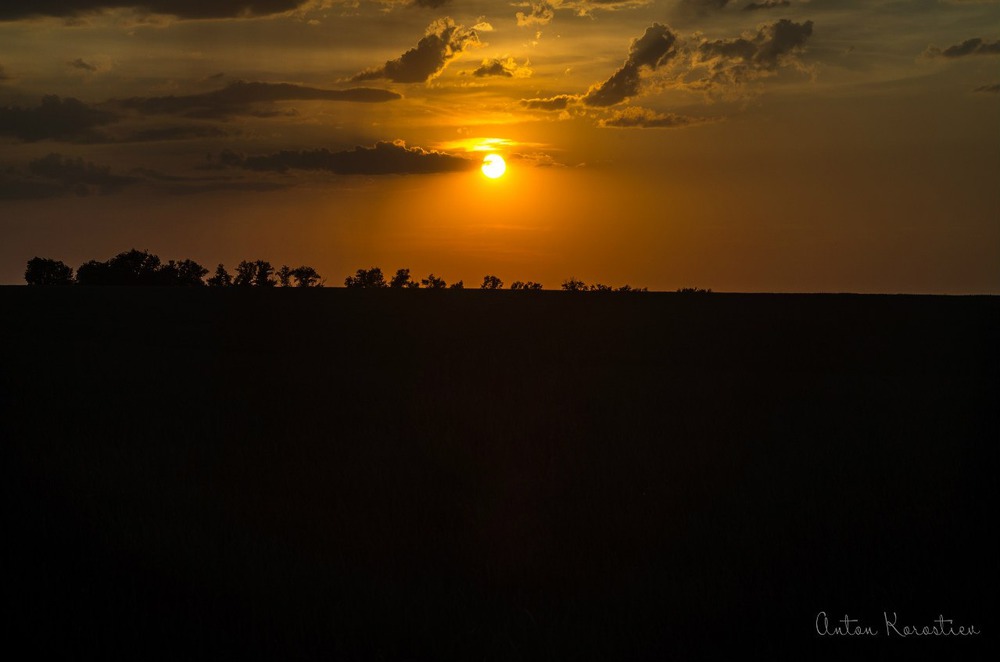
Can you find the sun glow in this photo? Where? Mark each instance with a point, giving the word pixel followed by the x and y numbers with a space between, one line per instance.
pixel 494 166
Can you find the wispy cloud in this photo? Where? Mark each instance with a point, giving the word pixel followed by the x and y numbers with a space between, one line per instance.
pixel 974 46
pixel 242 98
pixel 384 158
pixel 635 117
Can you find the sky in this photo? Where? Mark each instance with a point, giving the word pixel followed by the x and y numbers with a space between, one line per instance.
pixel 772 146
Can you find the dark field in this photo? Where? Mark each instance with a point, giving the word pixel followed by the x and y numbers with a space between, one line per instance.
pixel 466 475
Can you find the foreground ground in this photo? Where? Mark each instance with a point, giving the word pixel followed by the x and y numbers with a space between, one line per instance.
pixel 415 475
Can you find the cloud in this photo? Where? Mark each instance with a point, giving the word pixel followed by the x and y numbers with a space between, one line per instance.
pixel 3 74
pixel 170 133
pixel 54 175
pixel 974 46
pixel 558 102
pixel 430 4
pixel 588 7
pixel 988 89
pixel 442 43
pixel 540 14
pixel 703 6
pixel 504 67
pixel 78 63
pixel 767 4
pixel 643 118
pixel 751 56
pixel 654 48
pixel 54 119
pixel 193 9
pixel 385 158
pixel 240 98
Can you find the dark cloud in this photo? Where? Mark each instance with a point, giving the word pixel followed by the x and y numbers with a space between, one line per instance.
pixel 430 4
pixel 55 119
pixel 55 175
pixel 78 63
pixel 385 158
pixel 3 74
pixel 654 48
pixel 635 117
pixel 494 67
pixel 703 6
pixel 540 14
pixel 734 61
pixel 171 133
pixel 988 89
pixel 18 9
pixel 974 46
pixel 767 4
pixel 443 42
pixel 558 102
pixel 503 67
pixel 240 98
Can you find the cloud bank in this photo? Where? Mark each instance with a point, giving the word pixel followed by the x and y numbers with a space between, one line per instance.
pixel 12 10
pixel 384 158
pixel 239 98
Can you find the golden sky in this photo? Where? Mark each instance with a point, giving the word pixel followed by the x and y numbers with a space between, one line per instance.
pixel 779 145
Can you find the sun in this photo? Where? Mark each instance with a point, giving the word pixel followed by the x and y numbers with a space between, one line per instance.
pixel 494 166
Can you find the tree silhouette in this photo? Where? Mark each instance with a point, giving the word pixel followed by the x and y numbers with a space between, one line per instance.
pixel 529 285
pixel 258 273
pixel 186 273
pixel 130 268
pixel 43 271
pixel 366 278
pixel 574 285
pixel 306 277
pixel 221 277
pixel 457 286
pixel 433 283
pixel 402 279
pixel 491 283
pixel 285 276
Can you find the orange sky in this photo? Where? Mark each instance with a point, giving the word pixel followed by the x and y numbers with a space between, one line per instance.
pixel 802 146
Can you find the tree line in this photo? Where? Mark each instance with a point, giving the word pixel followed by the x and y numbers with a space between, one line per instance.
pixel 143 268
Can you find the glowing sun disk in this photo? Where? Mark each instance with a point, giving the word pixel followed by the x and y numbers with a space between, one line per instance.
pixel 493 166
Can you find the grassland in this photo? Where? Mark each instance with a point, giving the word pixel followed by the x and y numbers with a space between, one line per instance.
pixel 439 475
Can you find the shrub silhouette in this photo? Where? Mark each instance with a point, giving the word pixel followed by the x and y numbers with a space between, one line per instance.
pixel 43 271
pixel 433 283
pixel 366 278
pixel 574 285
pixel 529 285
pixel 491 283
pixel 402 280
pixel 457 286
